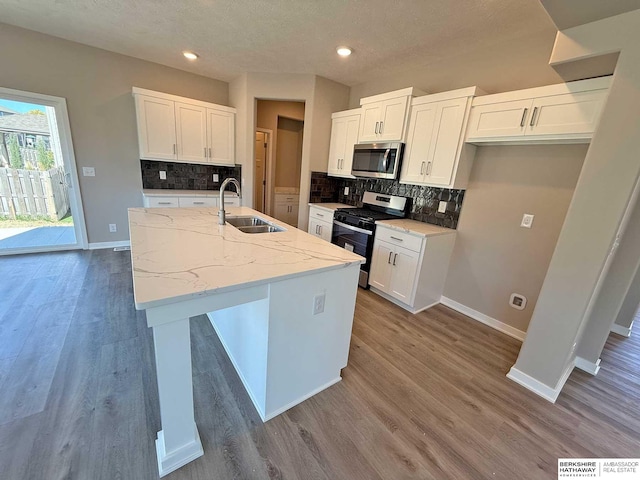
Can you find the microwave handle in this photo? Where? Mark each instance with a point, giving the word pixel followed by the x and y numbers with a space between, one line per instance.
pixel 385 159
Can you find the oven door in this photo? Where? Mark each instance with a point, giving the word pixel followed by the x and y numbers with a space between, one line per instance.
pixel 377 160
pixel 357 240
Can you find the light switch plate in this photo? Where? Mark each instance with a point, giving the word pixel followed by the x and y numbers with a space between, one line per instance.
pixel 88 171
pixel 216 178
pixel 527 220
pixel 442 207
pixel 163 175
pixel 346 190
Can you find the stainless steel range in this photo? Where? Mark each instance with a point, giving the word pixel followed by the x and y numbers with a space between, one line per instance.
pixel 354 228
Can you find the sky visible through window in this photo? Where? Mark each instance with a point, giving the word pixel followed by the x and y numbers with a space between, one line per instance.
pixel 20 107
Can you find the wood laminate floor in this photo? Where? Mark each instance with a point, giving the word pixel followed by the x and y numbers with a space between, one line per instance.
pixel 424 396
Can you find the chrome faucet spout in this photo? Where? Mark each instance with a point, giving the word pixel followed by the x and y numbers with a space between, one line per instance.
pixel 221 213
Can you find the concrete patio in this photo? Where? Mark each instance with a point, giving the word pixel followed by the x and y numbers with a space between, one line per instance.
pixel 25 237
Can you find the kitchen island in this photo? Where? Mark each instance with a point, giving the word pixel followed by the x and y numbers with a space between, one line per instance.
pixel 282 304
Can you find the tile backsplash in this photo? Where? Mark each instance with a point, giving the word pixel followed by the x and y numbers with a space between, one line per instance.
pixel 424 205
pixel 185 176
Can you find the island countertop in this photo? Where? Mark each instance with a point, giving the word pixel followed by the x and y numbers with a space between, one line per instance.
pixel 182 253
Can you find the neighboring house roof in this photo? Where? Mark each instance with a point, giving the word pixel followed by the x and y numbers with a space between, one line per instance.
pixel 25 123
pixel 7 110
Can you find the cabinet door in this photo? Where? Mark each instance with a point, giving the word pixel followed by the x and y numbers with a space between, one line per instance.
pixel 566 114
pixel 337 146
pixel 191 131
pixel 419 143
pixel 404 265
pixel 162 202
pixel 314 227
pixel 320 229
pixel 293 214
pixel 156 128
pixel 221 137
pixel 380 274
pixel 281 212
pixel 326 229
pixel 392 119
pixel 446 141
pixel 351 138
pixel 506 119
pixel 370 122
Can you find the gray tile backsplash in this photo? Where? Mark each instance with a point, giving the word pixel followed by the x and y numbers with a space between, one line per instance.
pixel 185 176
pixel 424 205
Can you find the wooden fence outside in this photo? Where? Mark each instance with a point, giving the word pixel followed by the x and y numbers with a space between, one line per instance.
pixel 33 193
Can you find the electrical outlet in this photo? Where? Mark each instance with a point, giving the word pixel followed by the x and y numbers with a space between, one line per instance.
pixel 113 228
pixel 346 190
pixel 88 171
pixel 527 220
pixel 518 301
pixel 442 207
pixel 163 175
pixel 318 303
pixel 216 178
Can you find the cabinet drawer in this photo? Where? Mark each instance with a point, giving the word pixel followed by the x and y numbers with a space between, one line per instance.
pixel 284 198
pixel 231 202
pixel 320 214
pixel 405 240
pixel 198 202
pixel 163 202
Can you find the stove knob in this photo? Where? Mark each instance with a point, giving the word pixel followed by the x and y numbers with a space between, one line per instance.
pixel 362 224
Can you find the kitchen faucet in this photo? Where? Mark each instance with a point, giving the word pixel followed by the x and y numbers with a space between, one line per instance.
pixel 221 214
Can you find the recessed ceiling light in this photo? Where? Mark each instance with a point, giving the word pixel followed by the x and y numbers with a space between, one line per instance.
pixel 343 51
pixel 190 55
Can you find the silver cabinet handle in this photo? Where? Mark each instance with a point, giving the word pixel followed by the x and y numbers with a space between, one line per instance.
pixel 389 261
pixel 422 168
pixel 316 229
pixel 394 258
pixel 200 203
pixel 381 126
pixel 164 203
pixel 396 239
pixel 320 229
pixel 524 116
pixel 533 117
pixel 319 215
pixel 210 153
pixel 205 152
pixel 377 127
pixel 428 168
pixel 339 167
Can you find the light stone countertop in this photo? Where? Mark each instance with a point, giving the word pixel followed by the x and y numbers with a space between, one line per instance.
pixel 413 226
pixel 165 192
pixel 182 253
pixel 330 207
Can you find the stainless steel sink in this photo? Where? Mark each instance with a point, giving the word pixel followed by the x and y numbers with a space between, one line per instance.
pixel 261 229
pixel 251 224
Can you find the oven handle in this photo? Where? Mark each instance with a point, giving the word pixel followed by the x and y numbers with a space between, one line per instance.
pixel 351 227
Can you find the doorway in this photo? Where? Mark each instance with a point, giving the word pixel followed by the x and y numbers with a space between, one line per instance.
pixel 40 210
pixel 263 159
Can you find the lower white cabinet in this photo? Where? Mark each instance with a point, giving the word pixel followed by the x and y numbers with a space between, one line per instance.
pixel 174 201
pixel 320 223
pixel 410 269
pixel 286 208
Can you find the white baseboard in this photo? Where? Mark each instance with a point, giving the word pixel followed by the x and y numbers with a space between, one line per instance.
pixel 399 303
pixel 587 366
pixel 100 245
pixel 482 318
pixel 537 387
pixel 620 330
pixel 277 412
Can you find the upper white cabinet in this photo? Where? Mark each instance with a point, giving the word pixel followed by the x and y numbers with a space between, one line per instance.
pixel 344 135
pixel 184 130
pixel 557 113
pixel 435 152
pixel 384 117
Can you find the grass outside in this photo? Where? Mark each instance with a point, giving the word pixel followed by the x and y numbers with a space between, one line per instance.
pixel 24 221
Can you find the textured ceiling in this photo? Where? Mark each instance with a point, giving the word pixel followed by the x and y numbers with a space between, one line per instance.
pixel 570 13
pixel 293 36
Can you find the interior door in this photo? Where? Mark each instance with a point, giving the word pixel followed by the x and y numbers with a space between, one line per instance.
pixel 446 141
pixel 191 131
pixel 260 179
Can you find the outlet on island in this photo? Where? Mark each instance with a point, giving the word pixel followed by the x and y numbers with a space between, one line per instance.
pixel 318 303
pixel 113 228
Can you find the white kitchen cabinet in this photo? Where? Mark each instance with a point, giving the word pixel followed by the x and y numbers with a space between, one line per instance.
pixel 384 117
pixel 221 136
pixel 286 208
pixel 184 130
pixel 344 135
pixel 435 153
pixel 170 200
pixel 156 128
pixel 191 132
pixel 567 112
pixel 410 268
pixel 320 223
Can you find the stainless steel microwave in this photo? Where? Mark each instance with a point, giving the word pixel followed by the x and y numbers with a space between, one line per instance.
pixel 377 160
